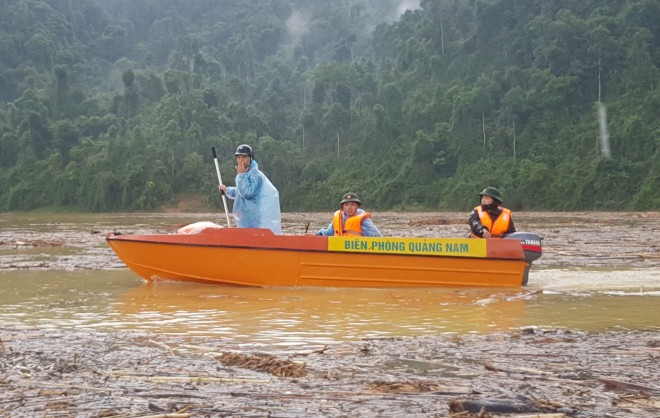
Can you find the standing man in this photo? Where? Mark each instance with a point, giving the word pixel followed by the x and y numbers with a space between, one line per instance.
pixel 490 219
pixel 351 221
pixel 256 200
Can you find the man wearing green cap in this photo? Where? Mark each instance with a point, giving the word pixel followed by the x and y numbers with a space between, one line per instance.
pixel 350 220
pixel 490 219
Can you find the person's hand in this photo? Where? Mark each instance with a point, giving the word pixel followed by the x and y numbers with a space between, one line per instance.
pixel 222 189
pixel 486 234
pixel 242 169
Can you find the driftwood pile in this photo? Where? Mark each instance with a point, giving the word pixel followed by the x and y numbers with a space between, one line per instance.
pixel 264 362
pixel 532 373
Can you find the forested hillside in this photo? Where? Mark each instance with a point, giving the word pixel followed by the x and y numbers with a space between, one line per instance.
pixel 110 105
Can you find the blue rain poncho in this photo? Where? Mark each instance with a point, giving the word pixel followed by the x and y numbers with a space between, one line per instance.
pixel 256 201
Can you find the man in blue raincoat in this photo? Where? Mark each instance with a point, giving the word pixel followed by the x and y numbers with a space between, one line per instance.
pixel 256 200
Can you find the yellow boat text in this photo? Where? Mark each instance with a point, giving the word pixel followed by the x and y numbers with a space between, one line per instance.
pixel 419 246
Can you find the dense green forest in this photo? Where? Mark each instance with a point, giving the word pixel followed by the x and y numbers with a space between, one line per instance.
pixel 109 105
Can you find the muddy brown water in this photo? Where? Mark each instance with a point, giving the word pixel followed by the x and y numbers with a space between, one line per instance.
pixel 597 273
pixel 65 294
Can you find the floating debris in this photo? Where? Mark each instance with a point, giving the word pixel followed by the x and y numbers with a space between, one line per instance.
pixel 547 374
pixel 265 363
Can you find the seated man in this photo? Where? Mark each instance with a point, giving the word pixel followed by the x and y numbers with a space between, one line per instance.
pixel 490 219
pixel 351 221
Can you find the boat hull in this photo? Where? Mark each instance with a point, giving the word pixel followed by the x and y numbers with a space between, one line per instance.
pixel 256 257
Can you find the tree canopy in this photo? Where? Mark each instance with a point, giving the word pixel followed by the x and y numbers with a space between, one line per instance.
pixel 110 105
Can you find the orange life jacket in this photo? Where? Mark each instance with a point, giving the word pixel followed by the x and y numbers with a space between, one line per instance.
pixel 352 227
pixel 499 226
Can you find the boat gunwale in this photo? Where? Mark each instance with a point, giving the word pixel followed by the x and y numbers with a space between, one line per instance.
pixel 120 238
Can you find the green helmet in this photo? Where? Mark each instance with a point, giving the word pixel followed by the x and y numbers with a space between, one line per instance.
pixel 492 192
pixel 350 197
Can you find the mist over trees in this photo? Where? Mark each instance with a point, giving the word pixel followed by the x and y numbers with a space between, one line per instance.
pixel 110 105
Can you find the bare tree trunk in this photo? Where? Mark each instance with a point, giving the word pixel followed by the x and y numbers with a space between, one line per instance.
pixel 599 86
pixel 442 39
pixel 514 140
pixel 483 128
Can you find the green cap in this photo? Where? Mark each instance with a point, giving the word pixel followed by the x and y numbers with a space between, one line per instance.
pixel 350 197
pixel 492 192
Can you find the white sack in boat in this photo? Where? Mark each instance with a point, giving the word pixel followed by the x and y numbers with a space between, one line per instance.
pixel 197 227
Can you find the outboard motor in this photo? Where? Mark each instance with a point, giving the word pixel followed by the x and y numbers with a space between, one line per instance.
pixel 532 248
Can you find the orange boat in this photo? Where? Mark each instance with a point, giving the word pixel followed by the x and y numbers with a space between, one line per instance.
pixel 257 257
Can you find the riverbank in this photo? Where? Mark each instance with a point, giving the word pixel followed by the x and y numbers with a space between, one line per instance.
pixel 531 373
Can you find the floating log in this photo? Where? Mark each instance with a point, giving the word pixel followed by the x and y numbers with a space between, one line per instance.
pixel 502 406
pixel 437 222
pixel 627 386
pixel 193 379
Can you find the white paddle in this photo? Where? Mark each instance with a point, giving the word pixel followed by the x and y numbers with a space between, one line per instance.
pixel 217 169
